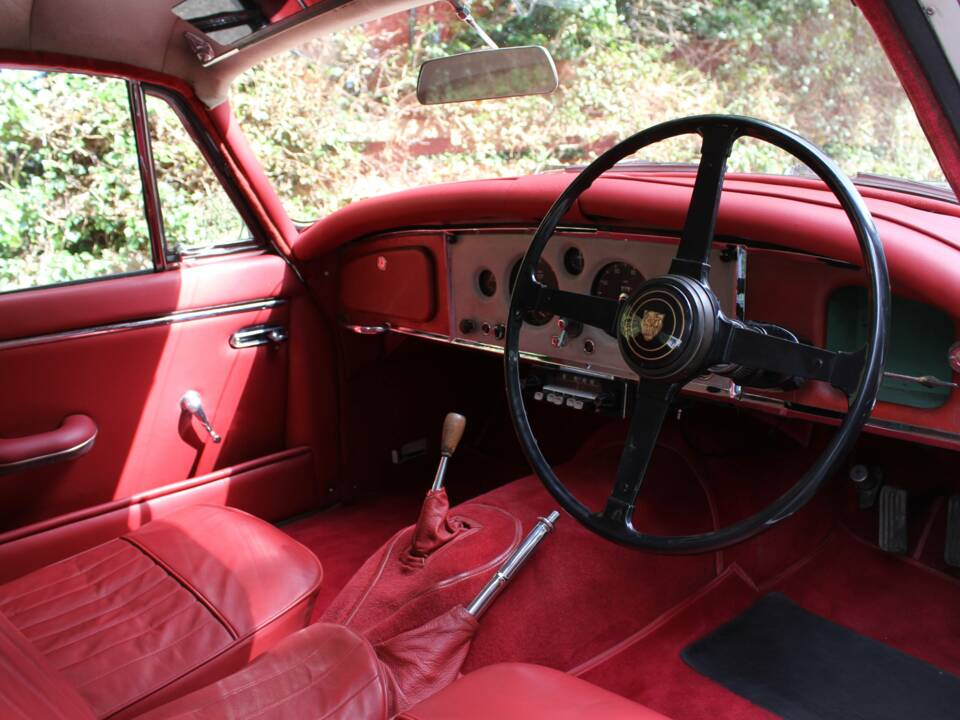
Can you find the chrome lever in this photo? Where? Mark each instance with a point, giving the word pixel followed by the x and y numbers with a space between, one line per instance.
pixel 258 335
pixel 193 404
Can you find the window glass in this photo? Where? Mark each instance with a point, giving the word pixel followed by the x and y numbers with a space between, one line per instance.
pixel 197 212
pixel 71 205
pixel 337 119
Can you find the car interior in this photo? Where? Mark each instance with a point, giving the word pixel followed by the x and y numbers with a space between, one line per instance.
pixel 614 439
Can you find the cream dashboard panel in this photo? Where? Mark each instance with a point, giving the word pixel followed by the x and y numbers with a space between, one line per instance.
pixel 479 311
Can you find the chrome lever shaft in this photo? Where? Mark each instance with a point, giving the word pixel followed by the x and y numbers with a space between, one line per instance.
pixel 193 404
pixel 511 565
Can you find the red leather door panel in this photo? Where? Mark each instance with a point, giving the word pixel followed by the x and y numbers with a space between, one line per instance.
pixel 72 358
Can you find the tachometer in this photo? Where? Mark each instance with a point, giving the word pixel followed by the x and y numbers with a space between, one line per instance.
pixel 544 275
pixel 616 281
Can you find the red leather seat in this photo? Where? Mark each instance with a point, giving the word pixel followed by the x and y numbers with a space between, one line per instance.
pixel 140 620
pixel 326 672
pixel 329 672
pixel 516 691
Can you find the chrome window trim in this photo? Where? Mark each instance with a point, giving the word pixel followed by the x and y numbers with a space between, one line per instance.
pixel 148 176
pixel 176 316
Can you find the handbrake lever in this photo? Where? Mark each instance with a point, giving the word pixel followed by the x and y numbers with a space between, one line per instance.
pixel 496 584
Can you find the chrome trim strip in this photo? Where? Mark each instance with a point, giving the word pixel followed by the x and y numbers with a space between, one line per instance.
pixel 148 174
pixel 698 388
pixel 68 454
pixel 366 329
pixel 168 319
pixel 497 350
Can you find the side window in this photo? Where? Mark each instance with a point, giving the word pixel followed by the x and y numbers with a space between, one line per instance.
pixel 71 204
pixel 198 215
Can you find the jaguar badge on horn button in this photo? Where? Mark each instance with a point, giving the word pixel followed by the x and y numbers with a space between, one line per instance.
pixel 651 324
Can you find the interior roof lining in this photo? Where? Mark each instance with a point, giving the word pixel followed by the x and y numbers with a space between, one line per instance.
pixel 154 39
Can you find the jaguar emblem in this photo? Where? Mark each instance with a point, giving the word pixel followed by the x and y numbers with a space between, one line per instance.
pixel 651 324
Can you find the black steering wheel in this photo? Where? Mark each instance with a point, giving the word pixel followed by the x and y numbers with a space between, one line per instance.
pixel 672 330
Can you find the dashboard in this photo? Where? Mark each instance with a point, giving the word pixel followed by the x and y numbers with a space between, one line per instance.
pixel 483 267
pixel 453 286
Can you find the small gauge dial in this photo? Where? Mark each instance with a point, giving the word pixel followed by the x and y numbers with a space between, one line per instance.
pixel 545 276
pixel 573 261
pixel 616 281
pixel 487 283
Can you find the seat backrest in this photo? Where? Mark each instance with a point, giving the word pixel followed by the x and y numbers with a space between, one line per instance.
pixel 30 687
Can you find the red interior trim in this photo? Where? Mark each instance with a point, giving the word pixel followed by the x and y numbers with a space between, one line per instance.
pixel 236 146
pixel 274 487
pixel 934 123
pixel 103 509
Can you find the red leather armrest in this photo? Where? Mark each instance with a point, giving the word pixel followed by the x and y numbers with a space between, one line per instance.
pixel 73 438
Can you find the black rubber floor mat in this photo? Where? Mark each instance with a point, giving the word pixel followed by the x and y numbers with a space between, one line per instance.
pixel 802 667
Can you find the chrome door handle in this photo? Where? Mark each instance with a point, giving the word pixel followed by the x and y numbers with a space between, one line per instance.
pixel 191 403
pixel 258 335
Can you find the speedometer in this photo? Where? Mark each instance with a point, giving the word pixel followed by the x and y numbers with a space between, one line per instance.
pixel 545 276
pixel 616 281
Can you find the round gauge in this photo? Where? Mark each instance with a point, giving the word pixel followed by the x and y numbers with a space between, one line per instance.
pixel 573 261
pixel 487 283
pixel 545 276
pixel 616 281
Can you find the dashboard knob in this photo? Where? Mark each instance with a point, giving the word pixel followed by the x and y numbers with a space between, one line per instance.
pixel 573 328
pixel 467 326
pixel 499 331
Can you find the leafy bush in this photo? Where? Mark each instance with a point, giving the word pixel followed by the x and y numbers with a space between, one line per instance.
pixel 811 65
pixel 338 119
pixel 70 198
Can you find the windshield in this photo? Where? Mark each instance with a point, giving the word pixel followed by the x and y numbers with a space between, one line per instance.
pixel 337 120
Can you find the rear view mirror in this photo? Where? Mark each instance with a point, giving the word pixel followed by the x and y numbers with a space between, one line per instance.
pixel 487 74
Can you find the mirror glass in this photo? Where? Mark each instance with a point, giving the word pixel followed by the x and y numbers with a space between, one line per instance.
pixel 486 74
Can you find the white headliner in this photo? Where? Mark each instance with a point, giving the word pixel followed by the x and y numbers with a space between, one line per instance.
pixel 146 34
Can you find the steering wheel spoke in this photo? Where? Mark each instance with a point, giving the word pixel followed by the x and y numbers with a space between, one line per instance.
pixel 755 350
pixel 653 404
pixel 693 254
pixel 597 312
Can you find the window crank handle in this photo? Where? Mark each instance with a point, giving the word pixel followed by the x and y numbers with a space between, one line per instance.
pixel 192 403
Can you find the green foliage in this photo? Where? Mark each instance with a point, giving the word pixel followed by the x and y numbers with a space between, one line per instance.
pixel 567 29
pixel 71 205
pixel 338 120
pixel 196 209
pixel 70 199
pixel 356 129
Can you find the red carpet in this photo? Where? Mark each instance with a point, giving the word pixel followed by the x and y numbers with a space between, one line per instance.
pixel 620 617
pixel 344 536
pixel 892 600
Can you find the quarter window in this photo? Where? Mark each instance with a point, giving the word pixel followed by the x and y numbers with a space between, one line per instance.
pixel 198 215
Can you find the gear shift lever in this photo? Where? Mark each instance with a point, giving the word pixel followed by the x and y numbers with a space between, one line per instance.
pixel 453 426
pixel 434 527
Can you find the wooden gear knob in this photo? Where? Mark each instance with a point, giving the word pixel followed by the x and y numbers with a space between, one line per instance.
pixel 453 426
